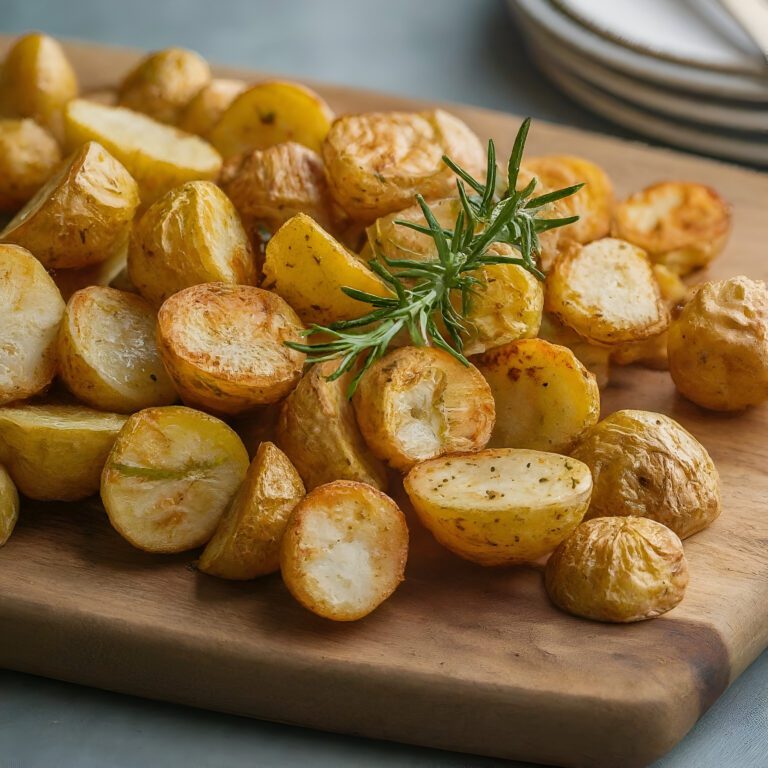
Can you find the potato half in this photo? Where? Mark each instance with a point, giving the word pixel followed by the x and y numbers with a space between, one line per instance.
pixel 9 506
pixel 618 570
pixel 206 108
pixel 344 550
pixel 224 346
pixel 502 506
pixel 169 477
pixel 247 540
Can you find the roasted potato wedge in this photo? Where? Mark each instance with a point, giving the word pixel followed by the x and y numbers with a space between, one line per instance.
pixel 718 347
pixel 104 273
pixel 500 507
pixel 318 431
pixel 163 83
pixel 682 225
pixel 645 464
pixel 31 309
pixel 417 403
pixel 247 540
pixel 9 506
pixel 56 452
pixel 344 550
pixel 169 477
pixel 378 161
pixel 223 346
pixel 158 156
pixel 82 215
pixel 618 570
pixel 205 109
pixel 191 235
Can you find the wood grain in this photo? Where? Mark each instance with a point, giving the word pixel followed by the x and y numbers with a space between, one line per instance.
pixel 461 657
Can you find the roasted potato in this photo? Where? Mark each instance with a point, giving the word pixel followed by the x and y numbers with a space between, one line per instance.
pixel 191 235
pixel 679 224
pixel 618 570
pixel 169 477
pixel 158 156
pixel 83 214
pixel 378 161
pixel 718 347
pixel 56 452
pixel 500 507
pixel 606 291
pixel 206 108
pixel 104 273
pixel 163 83
pixel 318 431
pixel 31 309
pixel 344 550
pixel 270 113
pixel 223 346
pixel 417 403
pixel 545 398
pixel 247 540
pixel 9 506
pixel 645 464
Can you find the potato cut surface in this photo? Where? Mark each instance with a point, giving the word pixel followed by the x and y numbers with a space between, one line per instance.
pixel 9 506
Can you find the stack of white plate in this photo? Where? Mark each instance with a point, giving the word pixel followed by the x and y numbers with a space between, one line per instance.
pixel 680 71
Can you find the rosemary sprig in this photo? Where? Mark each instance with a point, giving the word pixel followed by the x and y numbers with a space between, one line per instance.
pixel 422 290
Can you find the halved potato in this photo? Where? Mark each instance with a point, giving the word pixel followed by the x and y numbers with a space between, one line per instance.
pixel 158 156
pixel 56 452
pixel 500 507
pixel 191 235
pixel 545 398
pixel 606 291
pixel 318 431
pixel 83 214
pixel 169 477
pixel 224 346
pixel 104 273
pixel 682 225
pixel 344 550
pixel 247 540
pixel 9 506
pixel 270 113
pixel 420 402
pixel 205 109
pixel 31 309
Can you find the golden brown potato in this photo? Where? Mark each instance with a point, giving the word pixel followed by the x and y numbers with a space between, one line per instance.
pixel 9 506
pixel 500 507
pixel 378 161
pixel 210 103
pixel 318 431
pixel 645 464
pixel 606 291
pixel 169 477
pixel 545 398
pixel 191 235
pixel 247 540
pixel 31 309
pixel 163 83
pixel 56 452
pixel 679 224
pixel 223 346
pixel 344 550
pixel 417 403
pixel 270 113
pixel 718 347
pixel 83 214
pixel 618 569
pixel 104 273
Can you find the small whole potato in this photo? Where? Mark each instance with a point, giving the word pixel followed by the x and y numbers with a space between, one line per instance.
pixel 210 103
pixel 645 464
pixel 718 346
pixel 618 569
pixel 9 506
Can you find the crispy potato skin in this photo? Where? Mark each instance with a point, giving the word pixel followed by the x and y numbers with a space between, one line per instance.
pixel 223 346
pixel 344 550
pixel 206 108
pixel 645 464
pixel 9 506
pixel 247 540
pixel 718 347
pixel 417 403
pixel 500 507
pixel 618 570
pixel 318 431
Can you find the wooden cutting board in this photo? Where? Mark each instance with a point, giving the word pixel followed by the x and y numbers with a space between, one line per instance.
pixel 461 657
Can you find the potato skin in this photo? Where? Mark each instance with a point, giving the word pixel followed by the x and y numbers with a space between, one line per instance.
pixel 618 570
pixel 718 347
pixel 206 108
pixel 645 464
pixel 9 506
